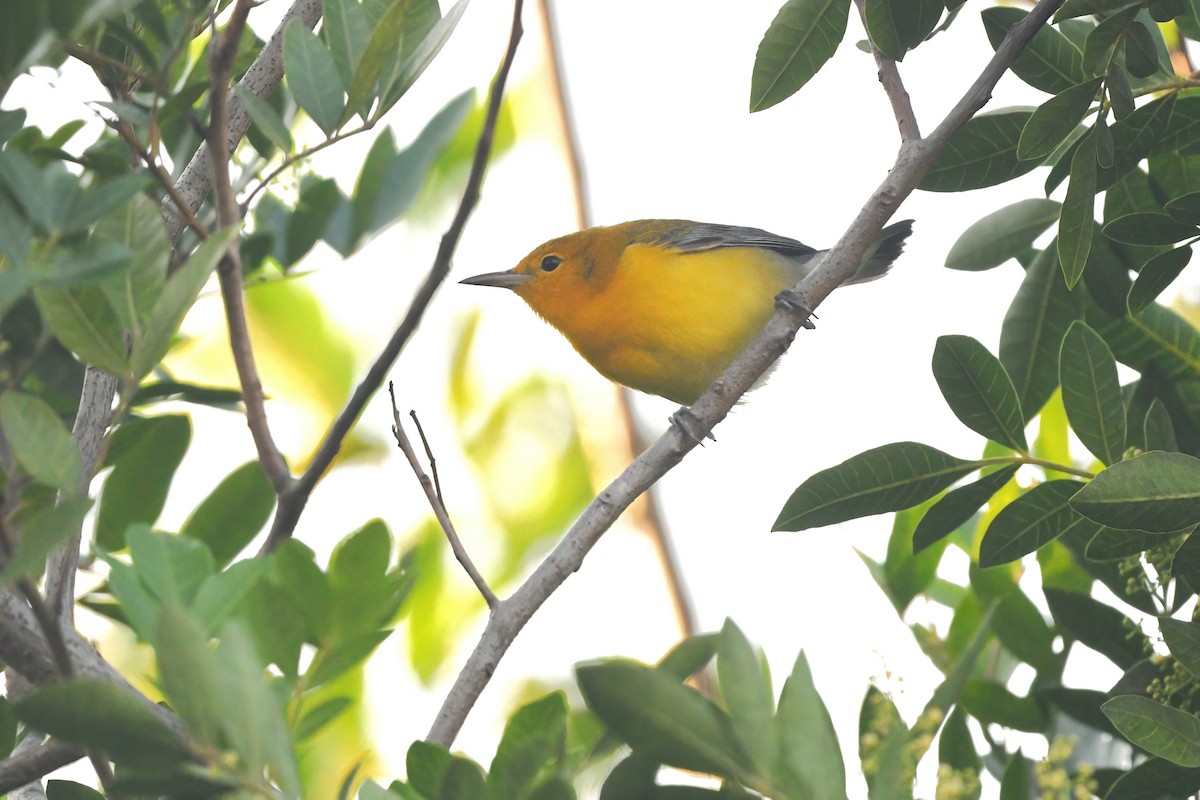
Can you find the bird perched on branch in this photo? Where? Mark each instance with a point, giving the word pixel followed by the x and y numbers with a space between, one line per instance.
pixel 664 306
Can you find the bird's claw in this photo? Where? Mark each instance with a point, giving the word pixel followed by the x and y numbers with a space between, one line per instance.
pixel 689 425
pixel 792 301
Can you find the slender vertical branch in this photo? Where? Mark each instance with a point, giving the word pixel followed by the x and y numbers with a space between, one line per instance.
pixel 229 272
pixel 647 514
pixel 893 87
pixel 293 500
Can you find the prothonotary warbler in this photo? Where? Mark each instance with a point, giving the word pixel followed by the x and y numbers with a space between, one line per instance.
pixel 665 305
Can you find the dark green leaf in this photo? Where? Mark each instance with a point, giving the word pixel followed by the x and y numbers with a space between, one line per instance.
pixel 1164 731
pixel 956 749
pixel 1155 778
pixel 1102 42
pixel 1141 50
pixel 312 76
pixel 1155 491
pixel 1155 276
pixel 1105 148
pixel 811 757
pixel 1099 626
pixel 958 506
pixel 42 533
pixel 1001 235
pixel 992 704
pixel 1183 640
pixel 1035 518
pixel 40 441
pixel 347 29
pixel 978 390
pixel 801 38
pixel 1077 223
pixel 657 716
pixel 1158 430
pixel 1033 330
pixel 1110 544
pixel 1055 119
pixel 233 513
pixel 1079 704
pixel 897 26
pixel 94 713
pixel 1091 393
pixel 1017 782
pixel 533 744
pixel 888 478
pixel 1050 62
pixel 69 790
pixel 1149 228
pixel 1185 208
pixel 689 656
pixel 746 690
pixel 981 153
pixel 136 489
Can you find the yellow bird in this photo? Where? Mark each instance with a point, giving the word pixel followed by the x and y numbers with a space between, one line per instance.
pixel 664 306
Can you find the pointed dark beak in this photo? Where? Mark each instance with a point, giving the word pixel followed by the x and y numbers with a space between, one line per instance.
pixel 505 280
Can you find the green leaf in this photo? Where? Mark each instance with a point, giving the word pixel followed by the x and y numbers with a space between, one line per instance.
pixel 1183 640
pixel 1110 544
pixel 1155 778
pixel 1001 235
pixel 85 322
pixel 1161 730
pixel 320 715
pixel 381 48
pixel 992 704
pixel 333 661
pixel 312 76
pixel 689 656
pixel 419 58
pixel 268 120
pixel 810 758
pixel 958 506
pixel 1055 120
pixel 233 513
pixel 1141 50
pixel 40 441
pixel 139 227
pixel 189 673
pixel 177 298
pixel 1015 620
pixel 69 790
pixel 534 742
pixel 1101 45
pixel 223 592
pixel 1035 518
pixel 1155 276
pixel 319 201
pixel 897 26
pixel 956 749
pixel 136 489
pixel 347 29
pixel 746 690
pixel 1017 782
pixel 1185 208
pixel 89 712
pixel 1158 430
pixel 1149 228
pixel 42 533
pixel 1099 626
pixel 138 606
pixel 978 390
pixel 1155 491
pixel 171 567
pixel 1077 222
pixel 981 153
pixel 801 38
pixel 657 716
pixel 888 478
pixel 1092 392
pixel 1031 336
pixel 1050 62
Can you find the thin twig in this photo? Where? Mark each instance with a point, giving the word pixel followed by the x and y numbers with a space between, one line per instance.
pixel 437 484
pixel 914 160
pixel 439 510
pixel 649 517
pixel 125 131
pixel 292 501
pixel 893 87
pixel 308 152
pixel 229 273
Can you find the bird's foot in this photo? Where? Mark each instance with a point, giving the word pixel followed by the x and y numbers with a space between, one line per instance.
pixel 791 300
pixel 689 425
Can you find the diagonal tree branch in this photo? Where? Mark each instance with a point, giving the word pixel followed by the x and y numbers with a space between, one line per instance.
pixel 914 160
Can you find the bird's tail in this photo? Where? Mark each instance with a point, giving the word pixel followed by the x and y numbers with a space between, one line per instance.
pixel 886 249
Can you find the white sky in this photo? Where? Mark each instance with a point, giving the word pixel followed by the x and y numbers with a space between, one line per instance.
pixel 660 93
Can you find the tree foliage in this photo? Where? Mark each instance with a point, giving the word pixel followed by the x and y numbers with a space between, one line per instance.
pixel 105 246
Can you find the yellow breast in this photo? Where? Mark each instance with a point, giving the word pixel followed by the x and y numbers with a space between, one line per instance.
pixel 669 323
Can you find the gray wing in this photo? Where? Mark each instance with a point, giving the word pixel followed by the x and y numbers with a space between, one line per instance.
pixel 694 237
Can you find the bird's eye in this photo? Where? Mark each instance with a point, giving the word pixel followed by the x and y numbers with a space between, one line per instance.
pixel 550 263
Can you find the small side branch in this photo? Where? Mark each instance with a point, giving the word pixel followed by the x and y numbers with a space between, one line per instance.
pixel 893 87
pixel 439 508
pixel 293 500
pixel 229 272
pixel 30 762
